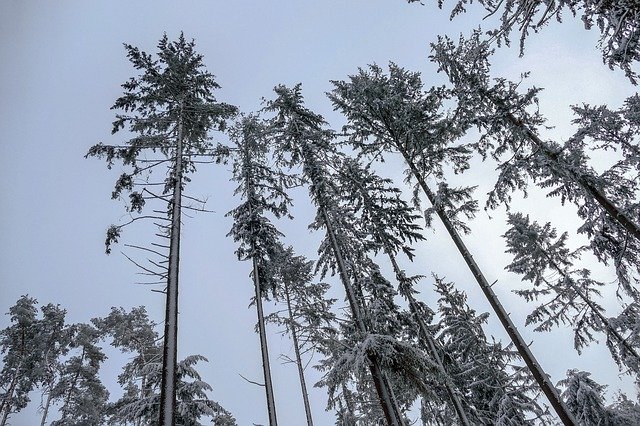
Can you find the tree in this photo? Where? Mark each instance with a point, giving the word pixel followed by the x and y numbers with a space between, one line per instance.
pixel 607 202
pixel 18 377
pixel 263 190
pixel 170 108
pixel 132 332
pixel 616 20
pixel 301 139
pixel 544 259
pixel 494 390
pixel 192 401
pixel 307 311
pixel 585 398
pixel 393 114
pixel 390 223
pixel 56 340
pixel 83 396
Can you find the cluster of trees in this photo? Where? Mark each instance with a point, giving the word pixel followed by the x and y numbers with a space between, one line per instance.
pixel 389 352
pixel 62 362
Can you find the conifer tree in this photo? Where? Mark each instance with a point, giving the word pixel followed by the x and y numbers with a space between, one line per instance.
pixel 544 259
pixel 393 114
pixel 170 109
pixel 617 22
pixel 83 397
pixel 607 203
pixel 263 191
pixel 301 138
pixel 133 333
pixel 390 222
pixel 495 391
pixel 18 376
pixel 585 398
pixel 307 312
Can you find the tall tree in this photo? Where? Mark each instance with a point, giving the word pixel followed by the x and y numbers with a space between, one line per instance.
pixel 170 108
pixel 585 398
pixel 19 343
pixel 390 223
pixel 308 312
pixel 607 202
pixel 83 397
pixel 133 333
pixel 544 259
pixel 616 20
pixel 193 404
pixel 264 191
pixel 393 114
pixel 495 391
pixel 301 139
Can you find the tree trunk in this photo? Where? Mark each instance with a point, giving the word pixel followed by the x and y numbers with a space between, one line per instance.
pixel 170 347
pixel 45 409
pixel 536 370
pixel 266 367
pixel 296 347
pixel 383 388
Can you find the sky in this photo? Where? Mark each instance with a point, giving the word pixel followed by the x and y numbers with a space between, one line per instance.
pixel 62 66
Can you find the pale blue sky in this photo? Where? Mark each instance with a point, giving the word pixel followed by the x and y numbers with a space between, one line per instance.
pixel 62 64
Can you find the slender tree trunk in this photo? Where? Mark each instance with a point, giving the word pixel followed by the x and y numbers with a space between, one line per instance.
pixel 170 347
pixel 266 367
pixel 383 387
pixel 296 348
pixel 45 411
pixel 429 341
pixel 536 370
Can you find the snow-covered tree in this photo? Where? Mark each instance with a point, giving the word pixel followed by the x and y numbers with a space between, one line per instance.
pixel 56 340
pixel 170 109
pixel 18 375
pixel 617 22
pixel 585 398
pixel 392 113
pixel 390 224
pixel 301 139
pixel 82 396
pixel 568 293
pixel 308 312
pixel 192 404
pixel 494 390
pixel 133 333
pixel 263 190
pixel 607 202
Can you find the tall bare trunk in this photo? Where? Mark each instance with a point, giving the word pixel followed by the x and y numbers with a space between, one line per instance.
pixel 45 409
pixel 523 349
pixel 266 367
pixel 296 348
pixel 170 347
pixel 381 383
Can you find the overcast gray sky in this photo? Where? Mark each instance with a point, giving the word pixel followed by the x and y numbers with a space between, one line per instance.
pixel 62 65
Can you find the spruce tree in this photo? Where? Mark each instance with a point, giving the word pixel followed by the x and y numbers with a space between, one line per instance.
pixel 264 191
pixel 170 109
pixel 607 202
pixel 568 293
pixel 300 138
pixel 392 113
